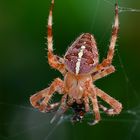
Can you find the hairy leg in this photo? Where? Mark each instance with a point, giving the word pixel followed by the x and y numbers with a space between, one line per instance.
pixel 94 101
pixel 55 61
pixel 110 54
pixel 61 109
pixel 64 106
pixel 113 40
pixel 106 110
pixel 116 106
pixel 52 107
pixel 41 99
pixel 103 72
pixel 86 102
pixel 66 103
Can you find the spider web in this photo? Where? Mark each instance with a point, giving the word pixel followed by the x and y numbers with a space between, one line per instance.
pixel 37 125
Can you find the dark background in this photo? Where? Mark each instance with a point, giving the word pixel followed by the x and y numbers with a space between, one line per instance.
pixel 24 68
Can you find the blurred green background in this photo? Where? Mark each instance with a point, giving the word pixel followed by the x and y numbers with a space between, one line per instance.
pixel 24 68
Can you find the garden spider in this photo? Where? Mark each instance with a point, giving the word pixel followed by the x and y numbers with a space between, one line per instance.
pixel 80 68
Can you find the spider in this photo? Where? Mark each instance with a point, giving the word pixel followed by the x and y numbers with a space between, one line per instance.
pixel 80 68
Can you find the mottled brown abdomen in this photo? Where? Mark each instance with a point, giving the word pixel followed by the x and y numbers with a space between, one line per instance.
pixel 82 56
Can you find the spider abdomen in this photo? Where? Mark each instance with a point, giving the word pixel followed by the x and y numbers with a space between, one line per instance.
pixel 82 55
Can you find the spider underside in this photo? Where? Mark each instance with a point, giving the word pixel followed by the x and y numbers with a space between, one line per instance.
pixel 80 68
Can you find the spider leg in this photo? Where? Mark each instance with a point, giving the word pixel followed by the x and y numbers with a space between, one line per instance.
pixel 116 106
pixel 55 61
pixel 103 72
pixel 52 107
pixel 38 97
pixel 86 102
pixel 113 40
pixel 64 106
pixel 110 54
pixel 105 109
pixel 61 109
pixel 94 101
pixel 40 100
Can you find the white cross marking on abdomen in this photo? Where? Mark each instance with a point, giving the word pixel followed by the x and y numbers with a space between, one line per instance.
pixel 80 54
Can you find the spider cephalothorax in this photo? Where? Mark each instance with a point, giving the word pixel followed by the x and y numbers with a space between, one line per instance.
pixel 80 68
